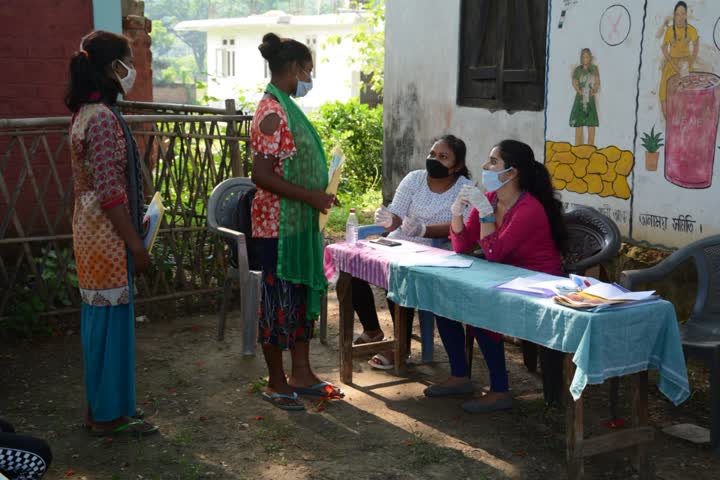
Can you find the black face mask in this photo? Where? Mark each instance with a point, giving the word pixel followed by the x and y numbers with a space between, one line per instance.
pixel 436 169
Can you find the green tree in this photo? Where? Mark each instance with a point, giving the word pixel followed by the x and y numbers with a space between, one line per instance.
pixel 369 38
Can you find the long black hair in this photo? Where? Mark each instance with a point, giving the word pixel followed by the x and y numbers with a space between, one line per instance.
pixel 535 179
pixel 89 69
pixel 459 150
pixel 283 52
pixel 678 5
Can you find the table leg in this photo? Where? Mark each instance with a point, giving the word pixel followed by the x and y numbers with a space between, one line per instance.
pixel 640 419
pixel 401 320
pixel 573 425
pixel 347 318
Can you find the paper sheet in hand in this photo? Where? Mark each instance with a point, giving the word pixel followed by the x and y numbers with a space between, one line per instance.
pixel 153 220
pixel 338 159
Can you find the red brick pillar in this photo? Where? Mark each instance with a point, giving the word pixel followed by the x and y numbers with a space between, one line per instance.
pixel 137 29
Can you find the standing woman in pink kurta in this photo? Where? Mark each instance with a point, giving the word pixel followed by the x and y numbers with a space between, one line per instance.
pixel 107 229
pixel 517 222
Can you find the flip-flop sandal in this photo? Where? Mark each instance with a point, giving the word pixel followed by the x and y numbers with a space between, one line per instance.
pixel 381 362
pixel 365 338
pixel 130 428
pixel 322 389
pixel 275 399
pixel 139 415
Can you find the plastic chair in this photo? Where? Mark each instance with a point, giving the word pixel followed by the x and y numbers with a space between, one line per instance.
pixel 593 239
pixel 427 319
pixel 223 220
pixel 701 333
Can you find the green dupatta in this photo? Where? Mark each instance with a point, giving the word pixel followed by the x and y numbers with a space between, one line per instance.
pixel 300 244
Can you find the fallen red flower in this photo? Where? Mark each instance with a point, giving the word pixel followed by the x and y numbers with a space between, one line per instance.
pixel 617 423
pixel 259 417
pixel 70 473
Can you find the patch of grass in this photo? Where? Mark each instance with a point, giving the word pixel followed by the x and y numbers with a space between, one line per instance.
pixel 424 453
pixel 183 437
pixel 274 438
pixel 258 385
pixel 363 203
pixel 189 470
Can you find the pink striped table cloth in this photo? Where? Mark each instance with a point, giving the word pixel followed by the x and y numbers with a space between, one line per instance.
pixel 371 263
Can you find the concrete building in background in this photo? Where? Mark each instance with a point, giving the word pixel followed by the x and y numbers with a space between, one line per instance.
pixel 586 84
pixel 236 68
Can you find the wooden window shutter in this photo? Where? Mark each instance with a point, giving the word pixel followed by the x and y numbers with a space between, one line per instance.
pixel 502 54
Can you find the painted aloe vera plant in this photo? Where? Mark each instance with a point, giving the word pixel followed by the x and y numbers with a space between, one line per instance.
pixel 652 142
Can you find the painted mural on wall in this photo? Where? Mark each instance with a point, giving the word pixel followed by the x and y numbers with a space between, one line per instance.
pixel 641 144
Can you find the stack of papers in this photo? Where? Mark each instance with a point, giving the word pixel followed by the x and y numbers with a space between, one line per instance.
pixel 427 260
pixel 603 295
pixel 576 291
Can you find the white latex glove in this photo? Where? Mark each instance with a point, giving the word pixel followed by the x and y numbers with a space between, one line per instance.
pixel 413 227
pixel 383 217
pixel 478 200
pixel 460 204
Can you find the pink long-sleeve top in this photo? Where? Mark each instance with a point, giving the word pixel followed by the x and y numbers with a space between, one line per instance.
pixel 523 240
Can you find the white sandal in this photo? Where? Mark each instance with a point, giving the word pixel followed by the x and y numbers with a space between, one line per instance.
pixel 381 362
pixel 364 338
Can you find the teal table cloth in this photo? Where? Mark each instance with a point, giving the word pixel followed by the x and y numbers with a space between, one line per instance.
pixel 607 343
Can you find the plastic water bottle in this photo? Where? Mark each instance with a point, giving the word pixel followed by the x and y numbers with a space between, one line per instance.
pixel 351 228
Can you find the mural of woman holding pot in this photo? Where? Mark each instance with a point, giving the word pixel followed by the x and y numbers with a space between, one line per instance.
pixel 586 82
pixel 679 58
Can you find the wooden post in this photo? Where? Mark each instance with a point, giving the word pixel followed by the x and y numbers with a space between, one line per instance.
pixel 640 419
pixel 401 320
pixel 347 317
pixel 236 165
pixel 573 425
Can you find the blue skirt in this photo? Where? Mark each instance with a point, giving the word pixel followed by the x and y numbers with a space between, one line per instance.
pixel 108 343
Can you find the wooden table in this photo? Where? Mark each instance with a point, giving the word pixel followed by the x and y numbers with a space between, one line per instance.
pixel 577 446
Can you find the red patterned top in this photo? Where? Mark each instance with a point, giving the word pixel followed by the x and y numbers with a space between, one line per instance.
pixel 99 162
pixel 280 144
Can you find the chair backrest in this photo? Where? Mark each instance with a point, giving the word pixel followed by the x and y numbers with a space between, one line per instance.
pixel 223 203
pixel 706 313
pixel 592 239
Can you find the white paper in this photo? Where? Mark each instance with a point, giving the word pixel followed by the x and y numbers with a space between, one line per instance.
pixel 541 283
pixel 425 260
pixel 612 292
pixel 404 247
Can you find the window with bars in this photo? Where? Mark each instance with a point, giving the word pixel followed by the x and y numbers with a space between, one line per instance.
pixel 225 59
pixel 502 54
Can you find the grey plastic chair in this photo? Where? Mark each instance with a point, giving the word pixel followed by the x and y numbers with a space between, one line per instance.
pixel 593 239
pixel 701 333
pixel 223 220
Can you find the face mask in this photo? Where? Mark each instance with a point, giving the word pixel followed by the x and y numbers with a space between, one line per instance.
pixel 491 179
pixel 303 87
pixel 436 169
pixel 129 80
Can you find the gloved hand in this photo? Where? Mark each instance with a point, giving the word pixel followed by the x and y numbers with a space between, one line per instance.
pixel 460 204
pixel 383 217
pixel 477 199
pixel 412 227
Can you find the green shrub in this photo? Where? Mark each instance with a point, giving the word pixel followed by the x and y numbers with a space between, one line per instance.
pixel 358 129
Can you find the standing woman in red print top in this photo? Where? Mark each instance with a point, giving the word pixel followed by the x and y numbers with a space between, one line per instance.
pixel 107 229
pixel 517 222
pixel 290 171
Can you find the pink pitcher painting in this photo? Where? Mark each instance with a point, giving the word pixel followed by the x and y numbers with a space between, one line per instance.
pixel 693 107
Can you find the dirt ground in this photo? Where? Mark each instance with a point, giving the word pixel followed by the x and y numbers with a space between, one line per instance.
pixel 214 424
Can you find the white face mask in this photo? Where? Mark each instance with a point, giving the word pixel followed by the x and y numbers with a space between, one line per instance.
pixel 129 80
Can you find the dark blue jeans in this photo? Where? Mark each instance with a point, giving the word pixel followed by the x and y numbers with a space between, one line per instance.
pixel 452 334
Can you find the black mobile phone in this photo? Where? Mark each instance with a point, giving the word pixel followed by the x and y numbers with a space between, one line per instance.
pixel 385 242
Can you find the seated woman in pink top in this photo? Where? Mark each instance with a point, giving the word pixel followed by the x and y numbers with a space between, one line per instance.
pixel 517 222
